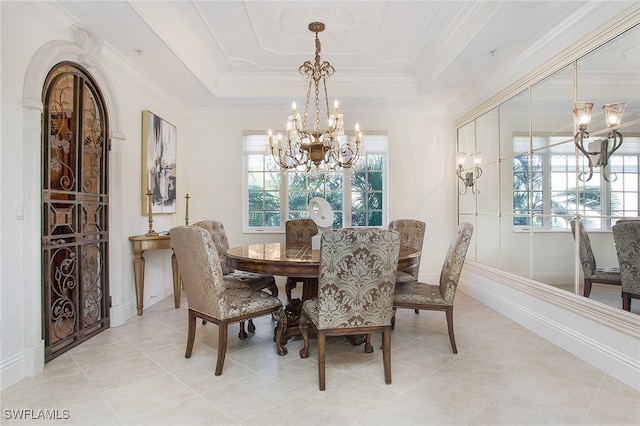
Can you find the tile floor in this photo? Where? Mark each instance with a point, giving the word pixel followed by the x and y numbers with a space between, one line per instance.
pixel 136 374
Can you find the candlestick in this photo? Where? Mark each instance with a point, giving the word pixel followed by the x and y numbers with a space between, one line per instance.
pixel 186 215
pixel 151 232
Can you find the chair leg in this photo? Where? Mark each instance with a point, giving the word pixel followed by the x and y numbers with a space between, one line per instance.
pixel 626 302
pixel 222 346
pixel 393 319
pixel 321 358
pixel 417 311
pixel 242 334
pixel 367 344
pixel 386 355
pixel 251 327
pixel 304 324
pixel 191 335
pixel 452 338
pixel 587 287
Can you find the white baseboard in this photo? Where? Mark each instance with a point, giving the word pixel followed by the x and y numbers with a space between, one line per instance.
pixel 12 371
pixel 119 314
pixel 601 335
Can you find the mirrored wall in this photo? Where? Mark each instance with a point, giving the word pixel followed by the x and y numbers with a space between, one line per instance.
pixel 532 183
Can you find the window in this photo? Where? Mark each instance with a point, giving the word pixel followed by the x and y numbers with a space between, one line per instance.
pixel 545 184
pixel 357 196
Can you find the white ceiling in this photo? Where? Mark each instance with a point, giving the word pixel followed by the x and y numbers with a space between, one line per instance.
pixel 413 54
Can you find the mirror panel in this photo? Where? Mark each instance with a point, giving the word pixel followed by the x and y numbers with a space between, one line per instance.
pixel 531 184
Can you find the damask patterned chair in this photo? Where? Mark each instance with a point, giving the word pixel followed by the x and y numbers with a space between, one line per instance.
pixel 355 291
pixel 211 296
pixel 411 235
pixel 592 274
pixel 298 233
pixel 626 235
pixel 239 278
pixel 417 295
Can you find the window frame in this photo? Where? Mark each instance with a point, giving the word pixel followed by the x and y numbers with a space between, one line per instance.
pixel 255 143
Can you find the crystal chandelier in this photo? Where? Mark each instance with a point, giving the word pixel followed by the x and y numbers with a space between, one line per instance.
pixel 329 149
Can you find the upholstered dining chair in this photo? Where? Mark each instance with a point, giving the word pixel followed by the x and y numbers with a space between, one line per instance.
pixel 440 297
pixel 592 274
pixel 298 234
pixel 626 236
pixel 411 235
pixel 356 281
pixel 240 278
pixel 209 294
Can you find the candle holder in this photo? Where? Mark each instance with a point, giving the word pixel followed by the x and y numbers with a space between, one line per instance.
pixel 186 215
pixel 151 232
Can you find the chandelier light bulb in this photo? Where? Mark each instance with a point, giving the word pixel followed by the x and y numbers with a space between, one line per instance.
pixel 613 113
pixel 582 113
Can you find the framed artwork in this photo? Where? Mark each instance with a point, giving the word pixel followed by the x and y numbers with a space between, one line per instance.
pixel 159 147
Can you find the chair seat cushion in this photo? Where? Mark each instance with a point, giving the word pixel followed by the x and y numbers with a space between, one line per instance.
pixel 404 277
pixel 418 293
pixel 310 309
pixel 248 279
pixel 609 274
pixel 244 301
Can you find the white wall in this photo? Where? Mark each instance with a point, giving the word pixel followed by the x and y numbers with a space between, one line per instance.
pixel 34 39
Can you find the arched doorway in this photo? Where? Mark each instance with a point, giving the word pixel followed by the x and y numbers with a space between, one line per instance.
pixel 75 203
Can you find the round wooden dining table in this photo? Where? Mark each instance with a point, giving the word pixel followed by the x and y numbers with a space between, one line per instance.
pixel 302 262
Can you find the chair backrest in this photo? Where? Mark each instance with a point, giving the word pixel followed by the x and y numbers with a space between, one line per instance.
pixel 220 240
pixel 411 235
pixel 357 277
pixel 454 261
pixel 200 270
pixel 587 259
pixel 626 236
pixel 298 232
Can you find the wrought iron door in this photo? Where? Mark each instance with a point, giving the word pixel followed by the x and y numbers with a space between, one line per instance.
pixel 75 205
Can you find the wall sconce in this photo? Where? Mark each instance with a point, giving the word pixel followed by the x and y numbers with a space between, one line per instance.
pixel 470 177
pixel 598 152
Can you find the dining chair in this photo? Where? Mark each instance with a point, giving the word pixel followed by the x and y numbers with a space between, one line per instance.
pixel 439 297
pixel 626 236
pixel 298 234
pixel 411 235
pixel 234 277
pixel 210 295
pixel 592 274
pixel 356 281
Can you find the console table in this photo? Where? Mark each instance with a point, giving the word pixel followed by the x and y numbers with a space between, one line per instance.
pixel 141 243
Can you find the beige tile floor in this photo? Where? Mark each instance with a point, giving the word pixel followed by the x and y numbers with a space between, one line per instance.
pixel 136 374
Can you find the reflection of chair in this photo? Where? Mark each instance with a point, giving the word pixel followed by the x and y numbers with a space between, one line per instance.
pixel 626 236
pixel 298 233
pixel 592 274
pixel 240 278
pixel 411 235
pixel 417 295
pixel 356 282
pixel 210 295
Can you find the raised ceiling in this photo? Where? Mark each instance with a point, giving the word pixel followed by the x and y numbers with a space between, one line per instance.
pixel 401 54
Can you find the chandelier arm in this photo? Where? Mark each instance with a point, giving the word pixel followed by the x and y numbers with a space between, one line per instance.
pixel 617 140
pixel 578 141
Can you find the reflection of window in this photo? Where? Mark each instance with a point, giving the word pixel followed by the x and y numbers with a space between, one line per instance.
pixel 545 184
pixel 272 196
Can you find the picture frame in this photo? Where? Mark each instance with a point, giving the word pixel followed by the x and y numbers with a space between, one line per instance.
pixel 159 149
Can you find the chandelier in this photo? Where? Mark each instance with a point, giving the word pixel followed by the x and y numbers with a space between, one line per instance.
pixel 323 149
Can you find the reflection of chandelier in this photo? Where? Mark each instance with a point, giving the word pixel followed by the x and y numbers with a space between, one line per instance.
pixel 303 148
